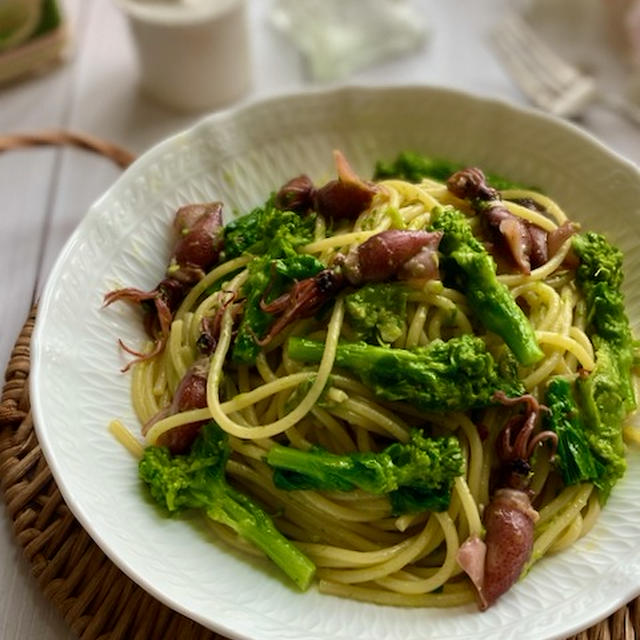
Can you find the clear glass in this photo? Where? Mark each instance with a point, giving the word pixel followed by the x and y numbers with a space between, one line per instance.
pixel 338 37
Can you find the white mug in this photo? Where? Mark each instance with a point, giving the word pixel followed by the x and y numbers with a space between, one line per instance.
pixel 193 54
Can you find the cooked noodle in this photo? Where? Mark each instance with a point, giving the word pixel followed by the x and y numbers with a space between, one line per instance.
pixel 360 549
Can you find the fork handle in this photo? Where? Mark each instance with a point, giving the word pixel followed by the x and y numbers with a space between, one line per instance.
pixel 620 105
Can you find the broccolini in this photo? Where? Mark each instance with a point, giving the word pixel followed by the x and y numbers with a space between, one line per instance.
pixel 377 311
pixel 605 395
pixel 417 475
pixel 272 235
pixel 458 374
pixel 574 459
pixel 197 481
pixel 472 270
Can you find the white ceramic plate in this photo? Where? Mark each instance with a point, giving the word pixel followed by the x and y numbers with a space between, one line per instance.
pixel 239 157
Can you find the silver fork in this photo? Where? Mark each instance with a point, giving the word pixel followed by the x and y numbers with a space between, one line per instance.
pixel 549 81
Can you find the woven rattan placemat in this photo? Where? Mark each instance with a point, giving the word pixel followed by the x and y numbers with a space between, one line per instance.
pixel 95 598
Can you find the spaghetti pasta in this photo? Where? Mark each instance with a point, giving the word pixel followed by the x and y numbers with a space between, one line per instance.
pixel 362 549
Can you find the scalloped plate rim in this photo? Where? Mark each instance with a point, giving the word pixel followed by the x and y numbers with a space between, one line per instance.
pixel 144 161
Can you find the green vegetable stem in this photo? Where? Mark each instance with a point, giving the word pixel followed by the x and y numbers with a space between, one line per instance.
pixel 458 374
pixel 473 271
pixel 605 395
pixel 417 476
pixel 197 481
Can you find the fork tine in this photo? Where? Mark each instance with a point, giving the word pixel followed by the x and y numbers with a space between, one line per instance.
pixel 526 75
pixel 558 69
pixel 548 80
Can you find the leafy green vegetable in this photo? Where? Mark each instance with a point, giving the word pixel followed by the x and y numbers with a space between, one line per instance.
pixel 267 229
pixel 600 277
pixel 273 236
pixel 377 311
pixel 197 481
pixel 574 459
pixel 413 167
pixel 454 375
pixel 417 476
pixel 471 269
pixel 606 395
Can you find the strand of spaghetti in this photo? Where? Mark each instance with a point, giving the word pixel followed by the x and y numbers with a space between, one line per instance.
pixel 383 569
pixel 441 192
pixel 239 402
pixel 540 471
pixel 176 420
pixel 469 506
pixel 435 287
pixel 568 536
pixel 126 438
pixel 204 309
pixel 567 344
pixel 356 237
pixel 550 205
pixel 593 511
pixel 358 421
pixel 248 398
pixel 142 398
pixel 169 369
pixel 355 535
pixel 542 372
pixel 456 315
pixel 582 339
pixel 415 327
pixel 542 544
pixel 441 575
pixel 549 511
pixel 210 278
pixel 342 438
pixel 554 362
pixel 329 556
pixel 474 465
pixel 158 378
pixel 173 348
pixel 411 192
pixel 381 596
pixel 375 218
pixel 396 428
pixel 269 430
pixel 415 218
pixel 540 273
pixel 547 298
pixel 363 501
pixel 346 514
pixel 419 222
pixel 264 369
pixel 434 327
pixel 530 215
pixel 350 534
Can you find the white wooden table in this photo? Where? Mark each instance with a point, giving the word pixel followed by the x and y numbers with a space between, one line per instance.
pixel 45 192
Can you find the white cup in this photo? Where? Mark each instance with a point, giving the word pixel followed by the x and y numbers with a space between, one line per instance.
pixel 193 54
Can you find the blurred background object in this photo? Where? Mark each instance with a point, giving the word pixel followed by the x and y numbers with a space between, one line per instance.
pixel 338 37
pixel 193 54
pixel 549 81
pixel 32 36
